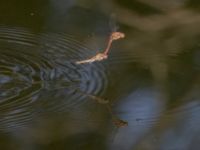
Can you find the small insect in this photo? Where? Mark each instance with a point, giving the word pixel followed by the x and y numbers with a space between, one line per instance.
pixel 120 123
pixel 101 56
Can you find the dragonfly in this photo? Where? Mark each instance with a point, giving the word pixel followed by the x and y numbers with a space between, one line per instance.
pixel 104 55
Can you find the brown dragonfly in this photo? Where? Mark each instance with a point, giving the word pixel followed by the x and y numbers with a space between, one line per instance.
pixel 104 55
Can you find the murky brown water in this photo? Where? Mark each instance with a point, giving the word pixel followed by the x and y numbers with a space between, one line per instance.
pixel 150 80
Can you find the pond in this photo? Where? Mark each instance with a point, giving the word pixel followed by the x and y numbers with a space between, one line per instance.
pixel 141 94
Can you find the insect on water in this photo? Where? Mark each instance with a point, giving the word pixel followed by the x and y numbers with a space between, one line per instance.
pixel 120 123
pixel 104 55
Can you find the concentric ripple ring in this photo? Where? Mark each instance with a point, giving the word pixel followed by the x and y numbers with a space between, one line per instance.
pixel 37 72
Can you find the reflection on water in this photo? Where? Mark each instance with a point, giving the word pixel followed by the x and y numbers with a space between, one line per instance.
pixel 142 109
pixel 150 79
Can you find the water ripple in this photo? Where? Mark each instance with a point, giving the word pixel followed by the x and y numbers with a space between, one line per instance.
pixel 37 72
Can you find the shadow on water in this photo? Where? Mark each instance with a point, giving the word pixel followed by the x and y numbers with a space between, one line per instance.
pixel 145 96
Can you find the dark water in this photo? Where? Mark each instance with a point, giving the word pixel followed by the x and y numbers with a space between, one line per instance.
pixel 151 79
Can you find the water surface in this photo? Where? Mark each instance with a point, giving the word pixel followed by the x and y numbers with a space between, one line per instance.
pixel 150 79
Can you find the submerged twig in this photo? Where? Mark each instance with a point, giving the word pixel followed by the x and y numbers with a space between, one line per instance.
pixel 116 121
pixel 101 56
pixel 96 98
